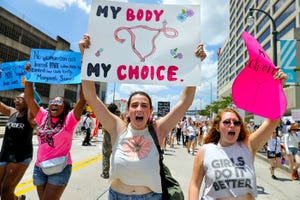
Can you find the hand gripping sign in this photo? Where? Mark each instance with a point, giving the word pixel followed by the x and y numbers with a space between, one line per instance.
pixel 254 89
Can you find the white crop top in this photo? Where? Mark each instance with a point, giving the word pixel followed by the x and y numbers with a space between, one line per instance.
pixel 135 159
pixel 229 171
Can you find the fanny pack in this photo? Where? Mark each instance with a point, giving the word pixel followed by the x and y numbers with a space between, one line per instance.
pixel 54 165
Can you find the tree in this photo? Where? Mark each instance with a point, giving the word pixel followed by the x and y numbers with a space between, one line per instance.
pixel 225 102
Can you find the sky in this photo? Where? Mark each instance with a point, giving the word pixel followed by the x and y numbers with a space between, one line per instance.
pixel 69 18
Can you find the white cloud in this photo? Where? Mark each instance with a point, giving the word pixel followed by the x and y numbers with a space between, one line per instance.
pixel 58 4
pixel 64 4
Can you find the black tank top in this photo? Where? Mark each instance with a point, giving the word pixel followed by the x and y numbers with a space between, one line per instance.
pixel 17 141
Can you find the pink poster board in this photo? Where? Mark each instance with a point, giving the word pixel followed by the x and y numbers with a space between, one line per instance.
pixel 254 89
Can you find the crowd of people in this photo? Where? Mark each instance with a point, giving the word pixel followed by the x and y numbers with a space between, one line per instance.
pixel 131 160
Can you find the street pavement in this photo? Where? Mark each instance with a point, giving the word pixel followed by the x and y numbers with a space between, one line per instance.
pixel 86 184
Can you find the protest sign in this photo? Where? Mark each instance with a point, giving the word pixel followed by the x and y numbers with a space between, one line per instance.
pixel 12 74
pixel 54 67
pixel 142 43
pixel 255 89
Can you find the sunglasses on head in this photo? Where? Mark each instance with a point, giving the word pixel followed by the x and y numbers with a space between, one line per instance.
pixel 19 99
pixel 228 122
pixel 56 102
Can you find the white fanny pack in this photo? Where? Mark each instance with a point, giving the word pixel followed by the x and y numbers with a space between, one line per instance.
pixel 54 165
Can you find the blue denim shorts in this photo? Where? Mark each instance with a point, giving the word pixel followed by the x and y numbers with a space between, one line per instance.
pixel 113 195
pixel 293 150
pixel 60 179
pixel 192 137
pixel 25 162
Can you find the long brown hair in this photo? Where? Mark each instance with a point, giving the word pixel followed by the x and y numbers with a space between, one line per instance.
pixel 213 135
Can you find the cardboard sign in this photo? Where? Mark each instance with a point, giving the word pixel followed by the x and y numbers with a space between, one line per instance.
pixel 255 89
pixel 143 43
pixel 12 74
pixel 54 67
pixel 163 108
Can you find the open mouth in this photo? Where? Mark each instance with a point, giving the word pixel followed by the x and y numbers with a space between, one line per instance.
pixel 231 133
pixel 54 109
pixel 138 118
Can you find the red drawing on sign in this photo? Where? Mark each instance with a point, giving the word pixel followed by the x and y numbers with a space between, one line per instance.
pixel 164 30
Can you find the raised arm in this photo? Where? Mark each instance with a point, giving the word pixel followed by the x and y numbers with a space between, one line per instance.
pixel 29 98
pixel 259 137
pixel 78 108
pixel 6 110
pixel 165 124
pixel 111 122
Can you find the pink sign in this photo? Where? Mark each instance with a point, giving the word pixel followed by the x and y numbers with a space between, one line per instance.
pixel 254 89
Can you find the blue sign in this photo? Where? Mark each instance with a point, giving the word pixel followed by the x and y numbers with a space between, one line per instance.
pixel 54 67
pixel 288 59
pixel 12 74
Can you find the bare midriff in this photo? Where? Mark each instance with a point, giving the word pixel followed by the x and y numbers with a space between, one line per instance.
pixel 118 186
pixel 247 196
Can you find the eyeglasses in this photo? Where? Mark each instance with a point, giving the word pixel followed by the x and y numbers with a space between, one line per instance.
pixel 56 102
pixel 19 99
pixel 228 123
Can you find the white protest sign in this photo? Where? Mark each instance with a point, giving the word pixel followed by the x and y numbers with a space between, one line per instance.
pixel 142 43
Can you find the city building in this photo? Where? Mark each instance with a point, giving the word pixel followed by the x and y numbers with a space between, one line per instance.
pixel 284 16
pixel 17 37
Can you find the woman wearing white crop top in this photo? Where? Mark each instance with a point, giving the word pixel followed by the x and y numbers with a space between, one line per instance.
pixel 135 159
pixel 226 159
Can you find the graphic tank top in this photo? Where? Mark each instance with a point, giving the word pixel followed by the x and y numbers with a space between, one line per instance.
pixel 229 171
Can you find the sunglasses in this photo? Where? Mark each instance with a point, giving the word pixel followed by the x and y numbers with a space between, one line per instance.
pixel 19 99
pixel 56 102
pixel 228 123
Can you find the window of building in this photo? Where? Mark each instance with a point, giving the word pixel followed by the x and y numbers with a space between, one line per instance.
pixel 43 89
pixel 70 95
pixel 262 23
pixel 240 60
pixel 9 54
pixel 278 5
pixel 287 28
pixel 264 7
pixel 284 15
pixel 264 35
pixel 267 46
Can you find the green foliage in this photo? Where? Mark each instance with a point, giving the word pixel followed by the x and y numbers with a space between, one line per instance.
pixel 225 102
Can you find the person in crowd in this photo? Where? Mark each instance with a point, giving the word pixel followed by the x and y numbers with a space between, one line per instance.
pixel 96 127
pixel 55 133
pixel 183 130
pixel 135 159
pixel 226 160
pixel 291 140
pixel 191 132
pixel 178 133
pixel 172 137
pixel 274 152
pixel 205 129
pixel 16 151
pixel 200 135
pixel 106 145
pixel 87 124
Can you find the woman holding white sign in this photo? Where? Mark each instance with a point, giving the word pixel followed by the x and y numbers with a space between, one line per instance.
pixel 135 159
pixel 226 160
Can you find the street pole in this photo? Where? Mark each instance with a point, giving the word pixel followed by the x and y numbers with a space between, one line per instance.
pixel 274 33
